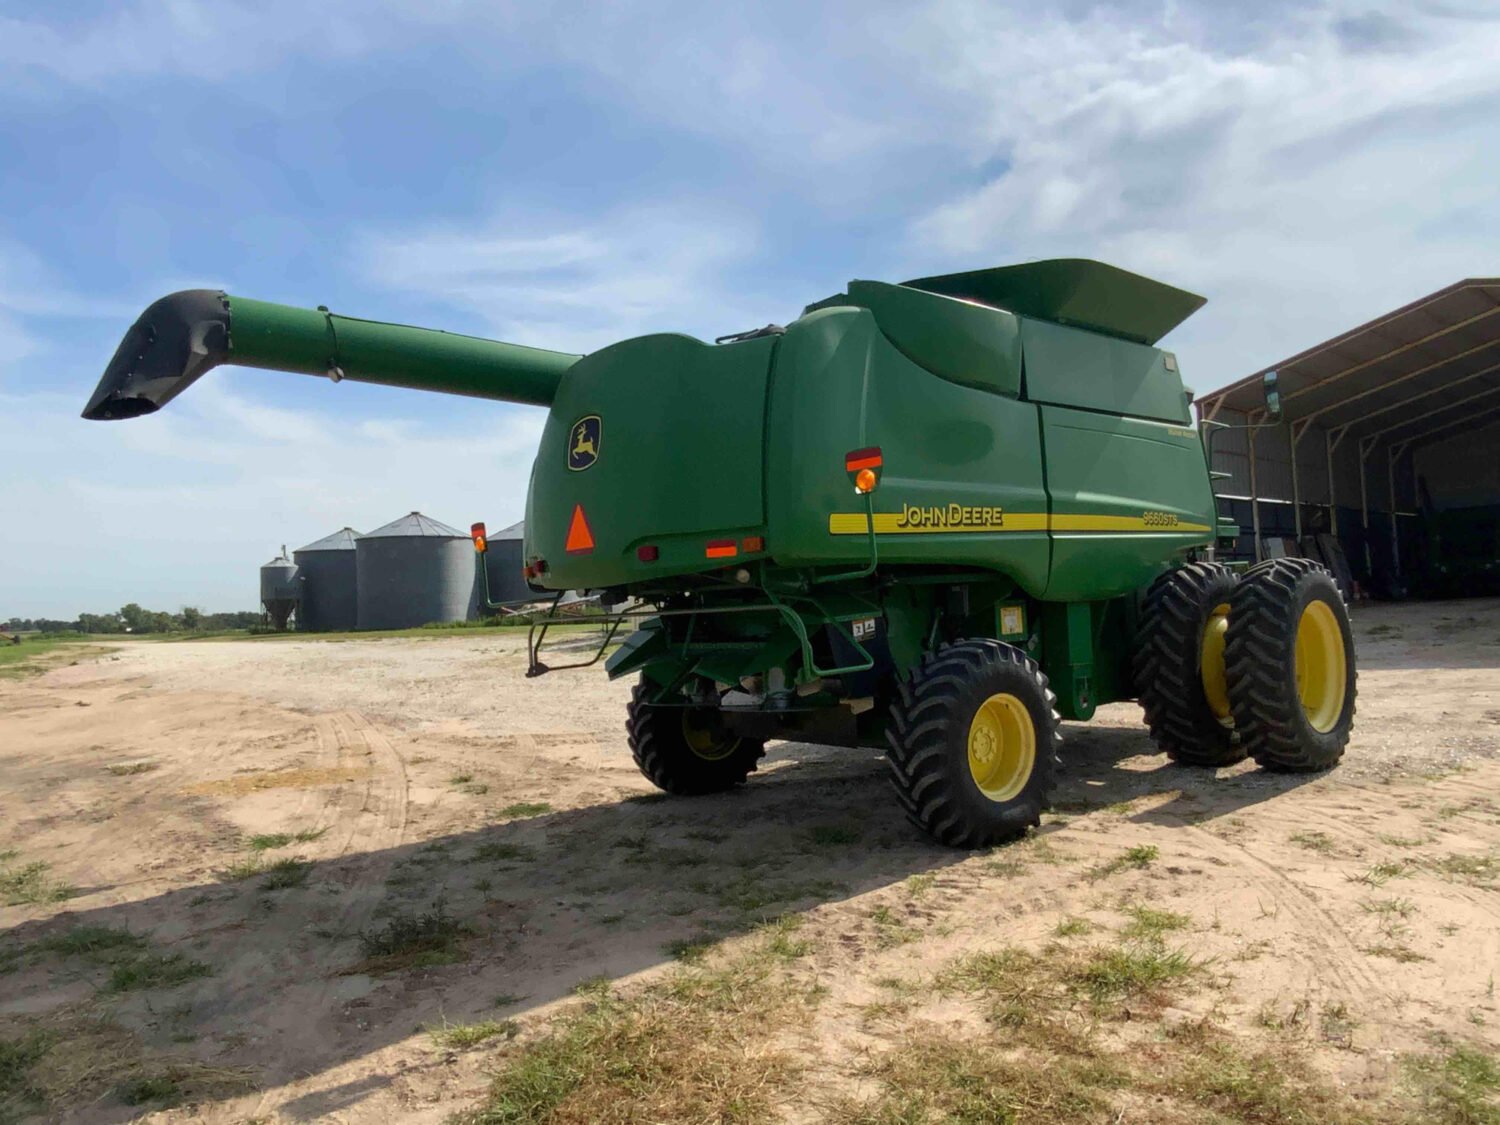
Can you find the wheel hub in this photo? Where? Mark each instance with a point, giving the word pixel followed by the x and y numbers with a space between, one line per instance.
pixel 1321 666
pixel 1211 664
pixel 1002 747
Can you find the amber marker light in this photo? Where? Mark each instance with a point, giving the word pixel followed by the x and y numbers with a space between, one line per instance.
pixel 753 543
pixel 865 481
pixel 480 536
pixel 721 549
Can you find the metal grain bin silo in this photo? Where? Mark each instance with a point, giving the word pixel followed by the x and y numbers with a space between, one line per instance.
pixel 328 577
pixel 503 563
pixel 415 571
pixel 279 589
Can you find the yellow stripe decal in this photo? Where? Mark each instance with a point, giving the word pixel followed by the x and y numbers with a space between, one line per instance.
pixel 896 523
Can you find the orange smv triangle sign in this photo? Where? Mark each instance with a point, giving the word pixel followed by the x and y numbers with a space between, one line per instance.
pixel 580 538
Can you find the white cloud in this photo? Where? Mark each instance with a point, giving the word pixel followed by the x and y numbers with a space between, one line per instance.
pixel 559 283
pixel 1342 167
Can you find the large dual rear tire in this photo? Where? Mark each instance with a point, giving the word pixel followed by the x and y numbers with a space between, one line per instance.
pixel 1262 665
pixel 973 743
pixel 1179 665
pixel 1289 659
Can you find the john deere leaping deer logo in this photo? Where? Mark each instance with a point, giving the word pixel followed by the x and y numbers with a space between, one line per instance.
pixel 584 440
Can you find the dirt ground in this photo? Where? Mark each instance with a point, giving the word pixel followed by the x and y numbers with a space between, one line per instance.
pixel 1360 909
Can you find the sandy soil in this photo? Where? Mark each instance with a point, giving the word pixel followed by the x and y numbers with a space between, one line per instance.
pixel 362 742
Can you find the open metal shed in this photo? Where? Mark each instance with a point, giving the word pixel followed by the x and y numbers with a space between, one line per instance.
pixel 1412 387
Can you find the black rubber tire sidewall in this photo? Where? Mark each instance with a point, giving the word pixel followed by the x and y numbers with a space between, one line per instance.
pixel 662 753
pixel 1167 665
pixel 929 743
pixel 1260 660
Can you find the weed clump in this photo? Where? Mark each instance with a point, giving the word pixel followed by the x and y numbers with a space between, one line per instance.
pixel 412 941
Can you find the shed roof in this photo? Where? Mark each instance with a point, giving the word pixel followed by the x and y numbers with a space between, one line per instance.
pixel 414 525
pixel 1424 372
pixel 341 540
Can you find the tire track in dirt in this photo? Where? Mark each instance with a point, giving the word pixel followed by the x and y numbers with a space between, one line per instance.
pixel 1340 958
pixel 369 818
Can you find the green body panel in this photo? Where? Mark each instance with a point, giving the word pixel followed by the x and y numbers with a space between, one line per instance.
pixel 1075 291
pixel 1128 496
pixel 839 385
pixel 1071 367
pixel 679 459
pixel 957 340
pixel 313 341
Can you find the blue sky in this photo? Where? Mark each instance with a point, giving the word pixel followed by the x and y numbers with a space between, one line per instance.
pixel 566 174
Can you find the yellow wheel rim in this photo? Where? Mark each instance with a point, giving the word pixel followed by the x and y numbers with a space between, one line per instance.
pixel 1002 747
pixel 1211 664
pixel 704 741
pixel 1322 669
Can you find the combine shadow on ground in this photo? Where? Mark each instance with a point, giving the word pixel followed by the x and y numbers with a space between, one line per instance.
pixel 1107 766
pixel 542 903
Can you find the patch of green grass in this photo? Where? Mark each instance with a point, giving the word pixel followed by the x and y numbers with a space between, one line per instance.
pixel 1381 873
pixel 1469 868
pixel 1320 842
pixel 149 1088
pixel 751 895
pixel 1130 971
pixel 1148 922
pixel 694 1047
pixel 919 885
pixel 28 884
pixel 1137 858
pixel 131 769
pixel 690 950
pixel 461 779
pixel 1389 907
pixel 781 937
pixel 289 872
pixel 154 970
pixel 269 841
pixel 496 851
pixel 525 809
pixel 17 1057
pixel 835 835
pixel 247 868
pixel 89 941
pixel 409 940
pixel 1458 1088
pixel 1401 841
pixel 1073 927
pixel 459 1036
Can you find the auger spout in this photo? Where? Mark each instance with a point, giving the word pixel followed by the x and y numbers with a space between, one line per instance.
pixel 184 335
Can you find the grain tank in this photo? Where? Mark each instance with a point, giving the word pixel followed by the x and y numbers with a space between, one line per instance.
pixel 329 579
pixel 280 592
pixel 414 571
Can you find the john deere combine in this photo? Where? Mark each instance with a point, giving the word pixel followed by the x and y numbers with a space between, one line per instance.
pixel 936 517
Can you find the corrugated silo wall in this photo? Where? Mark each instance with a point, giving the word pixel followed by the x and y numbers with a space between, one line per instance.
pixel 1273 487
pixel 329 591
pixel 406 581
pixel 503 565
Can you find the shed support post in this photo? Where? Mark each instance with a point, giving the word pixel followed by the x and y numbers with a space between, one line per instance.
pixel 1294 435
pixel 1364 504
pixel 1254 500
pixel 1333 519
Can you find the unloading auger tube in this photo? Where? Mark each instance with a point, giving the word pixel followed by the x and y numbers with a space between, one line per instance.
pixel 184 335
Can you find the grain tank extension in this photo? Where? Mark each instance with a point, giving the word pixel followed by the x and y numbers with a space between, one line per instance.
pixel 936 517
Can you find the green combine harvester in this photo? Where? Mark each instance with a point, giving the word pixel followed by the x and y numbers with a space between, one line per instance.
pixel 935 517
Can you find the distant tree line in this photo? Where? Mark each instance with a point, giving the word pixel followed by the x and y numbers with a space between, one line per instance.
pixel 134 619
